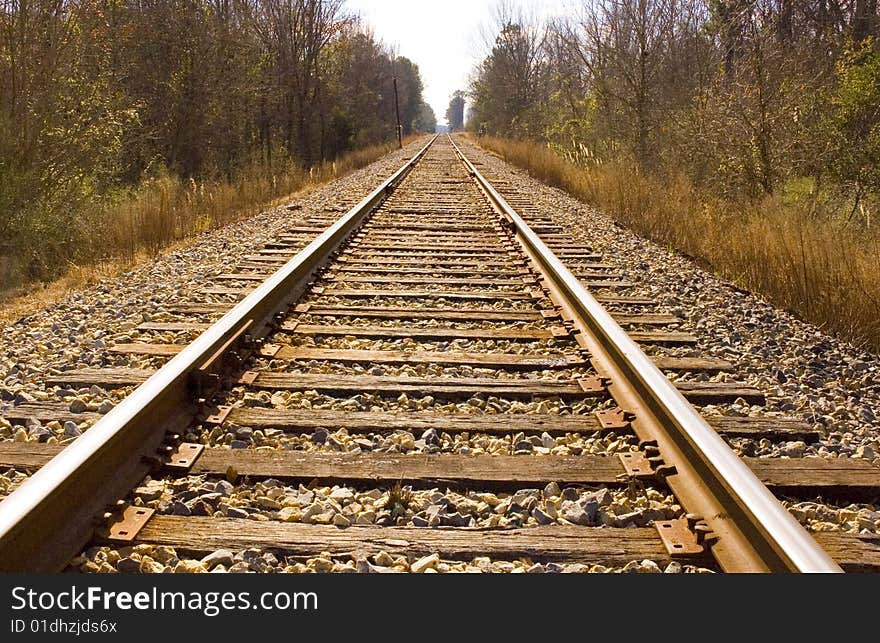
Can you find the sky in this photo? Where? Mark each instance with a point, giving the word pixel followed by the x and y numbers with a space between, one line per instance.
pixel 443 37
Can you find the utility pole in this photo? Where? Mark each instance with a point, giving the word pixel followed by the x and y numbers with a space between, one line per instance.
pixel 397 110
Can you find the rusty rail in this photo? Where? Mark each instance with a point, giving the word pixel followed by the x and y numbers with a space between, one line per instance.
pixel 749 530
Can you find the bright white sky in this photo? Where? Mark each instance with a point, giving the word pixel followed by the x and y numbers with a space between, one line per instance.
pixel 443 37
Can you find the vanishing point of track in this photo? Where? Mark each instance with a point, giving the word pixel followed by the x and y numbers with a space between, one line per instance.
pixel 432 288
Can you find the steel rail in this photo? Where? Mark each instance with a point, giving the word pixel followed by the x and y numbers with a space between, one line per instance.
pixel 51 516
pixel 754 531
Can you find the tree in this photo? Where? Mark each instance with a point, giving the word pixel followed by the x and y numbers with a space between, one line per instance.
pixel 455 111
pixel 96 95
pixel 510 84
pixel 426 121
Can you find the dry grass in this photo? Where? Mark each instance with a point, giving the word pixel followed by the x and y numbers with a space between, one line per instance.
pixel 165 211
pixel 815 266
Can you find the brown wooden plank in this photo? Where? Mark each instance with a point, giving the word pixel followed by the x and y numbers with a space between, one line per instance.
pixel 172 327
pixel 199 309
pixel 475 295
pixel 46 412
pixel 400 225
pixel 421 281
pixel 446 314
pixel 436 386
pixel 455 247
pixel 427 255
pixel 142 348
pixel 305 229
pixel 241 276
pixel 568 245
pixel 380 234
pixel 477 314
pixel 219 290
pixel 102 377
pixel 849 477
pixel 418 469
pixel 27 456
pixel 693 364
pixel 362 421
pixel 266 260
pixel 610 547
pixel 662 337
pixel 486 360
pixel 535 423
pixel 523 334
pixel 622 300
pixel 291 244
pixel 472 295
pixel 603 283
pixel 597 274
pixel 382 270
pixel 716 392
pixel 826 475
pixel 853 552
pixel 263 266
pixel 764 426
pixel 585 256
pixel 508 262
pixel 696 392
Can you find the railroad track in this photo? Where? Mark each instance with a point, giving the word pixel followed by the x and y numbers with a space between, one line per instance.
pixel 429 377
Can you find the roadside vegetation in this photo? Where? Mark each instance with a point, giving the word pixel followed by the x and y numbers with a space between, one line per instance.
pixel 745 135
pixel 127 125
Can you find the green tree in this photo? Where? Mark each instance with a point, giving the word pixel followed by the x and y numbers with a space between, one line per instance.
pixel 455 111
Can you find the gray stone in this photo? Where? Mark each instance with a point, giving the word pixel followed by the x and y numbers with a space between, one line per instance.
pixel 673 568
pixel 235 512
pixel 77 406
pixel 633 518
pixel 224 487
pixel 219 557
pixel 570 493
pixel 180 509
pixel 341 521
pixel 199 507
pixel 71 430
pixel 794 449
pixel 541 517
pixel 430 437
pixel 128 566
pixel 575 513
pixel 456 520
pixel 342 495
pixel 523 446
pixel 591 508
pixel 150 491
pixel 603 497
